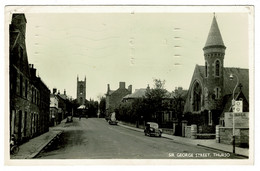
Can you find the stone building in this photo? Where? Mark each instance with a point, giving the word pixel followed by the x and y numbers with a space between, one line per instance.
pixel 81 91
pixel 114 97
pixel 64 104
pixel 211 89
pixel 29 96
pixel 54 108
pixel 40 98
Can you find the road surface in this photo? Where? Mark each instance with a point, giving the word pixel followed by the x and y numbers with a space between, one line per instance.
pixel 94 138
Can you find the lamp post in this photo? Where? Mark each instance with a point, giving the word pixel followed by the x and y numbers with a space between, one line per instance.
pixel 233 103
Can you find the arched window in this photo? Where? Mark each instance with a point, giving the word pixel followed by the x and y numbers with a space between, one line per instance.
pixel 217 92
pixel 206 69
pixel 217 68
pixel 196 97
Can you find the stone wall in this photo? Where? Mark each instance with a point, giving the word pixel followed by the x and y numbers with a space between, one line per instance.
pixel 241 136
pixel 188 131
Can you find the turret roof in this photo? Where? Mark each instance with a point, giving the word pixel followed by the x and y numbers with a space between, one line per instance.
pixel 214 36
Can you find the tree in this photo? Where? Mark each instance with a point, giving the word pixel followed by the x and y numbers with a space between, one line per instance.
pixel 92 108
pixel 154 97
pixel 102 106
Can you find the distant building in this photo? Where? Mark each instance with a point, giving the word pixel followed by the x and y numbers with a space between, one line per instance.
pixel 65 106
pixel 29 96
pixel 114 97
pixel 54 108
pixel 138 94
pixel 210 91
pixel 81 91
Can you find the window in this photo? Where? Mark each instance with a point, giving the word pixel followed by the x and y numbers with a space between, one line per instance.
pixel 217 92
pixel 21 85
pixel 25 124
pixel 210 117
pixel 217 68
pixel 196 97
pixel 26 89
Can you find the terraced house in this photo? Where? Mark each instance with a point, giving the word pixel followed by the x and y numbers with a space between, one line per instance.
pixel 29 96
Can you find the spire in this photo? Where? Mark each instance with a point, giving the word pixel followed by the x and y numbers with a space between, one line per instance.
pixel 214 36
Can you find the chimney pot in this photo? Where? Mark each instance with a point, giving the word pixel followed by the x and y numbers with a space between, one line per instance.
pixel 130 89
pixel 54 90
pixel 121 85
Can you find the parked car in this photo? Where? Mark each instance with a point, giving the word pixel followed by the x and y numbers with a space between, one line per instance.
pixel 152 129
pixel 69 119
pixel 112 120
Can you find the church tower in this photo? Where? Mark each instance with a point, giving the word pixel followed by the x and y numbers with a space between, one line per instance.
pixel 81 91
pixel 214 52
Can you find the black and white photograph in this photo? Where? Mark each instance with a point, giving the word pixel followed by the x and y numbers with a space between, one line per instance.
pixel 173 83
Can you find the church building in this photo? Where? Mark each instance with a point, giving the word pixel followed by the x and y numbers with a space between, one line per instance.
pixel 211 90
pixel 81 91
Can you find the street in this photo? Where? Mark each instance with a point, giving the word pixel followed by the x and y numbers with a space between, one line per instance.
pixel 94 138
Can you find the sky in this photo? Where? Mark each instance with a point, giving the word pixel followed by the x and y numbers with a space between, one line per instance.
pixel 132 47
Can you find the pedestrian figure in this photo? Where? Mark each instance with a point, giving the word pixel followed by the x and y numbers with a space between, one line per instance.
pixel 79 117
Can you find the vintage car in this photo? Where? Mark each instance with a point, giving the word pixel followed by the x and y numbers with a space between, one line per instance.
pixel 152 129
pixel 112 120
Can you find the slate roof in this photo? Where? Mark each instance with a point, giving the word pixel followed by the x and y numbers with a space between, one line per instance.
pixel 229 85
pixel 243 76
pixel 110 92
pixel 139 93
pixel 214 36
pixel 63 96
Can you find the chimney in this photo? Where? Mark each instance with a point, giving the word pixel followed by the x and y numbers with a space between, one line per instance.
pixel 33 71
pixel 121 85
pixel 148 88
pixel 108 88
pixel 58 91
pixel 64 91
pixel 54 90
pixel 130 89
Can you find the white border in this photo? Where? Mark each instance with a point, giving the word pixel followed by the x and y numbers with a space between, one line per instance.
pixel 232 2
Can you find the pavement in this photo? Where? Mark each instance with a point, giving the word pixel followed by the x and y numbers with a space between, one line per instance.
pixel 35 145
pixel 207 143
